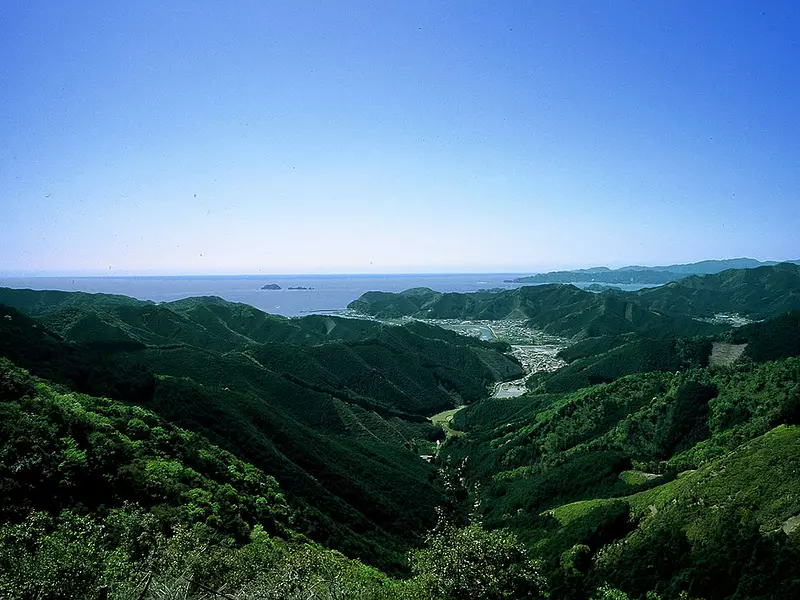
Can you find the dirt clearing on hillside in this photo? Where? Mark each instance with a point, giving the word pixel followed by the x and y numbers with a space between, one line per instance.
pixel 724 355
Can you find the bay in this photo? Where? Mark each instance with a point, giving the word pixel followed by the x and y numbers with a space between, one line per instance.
pixel 329 293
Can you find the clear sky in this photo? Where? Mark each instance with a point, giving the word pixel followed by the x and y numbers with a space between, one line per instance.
pixel 271 137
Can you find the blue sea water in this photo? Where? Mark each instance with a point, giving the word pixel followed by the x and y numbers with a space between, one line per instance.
pixel 330 293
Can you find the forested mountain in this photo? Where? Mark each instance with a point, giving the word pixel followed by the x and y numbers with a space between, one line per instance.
pixel 102 499
pixel 607 358
pixel 331 407
pixel 556 309
pixel 668 481
pixel 772 339
pixel 171 450
pixel 647 462
pixel 758 293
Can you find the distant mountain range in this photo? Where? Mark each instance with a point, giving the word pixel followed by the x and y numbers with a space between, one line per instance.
pixel 637 274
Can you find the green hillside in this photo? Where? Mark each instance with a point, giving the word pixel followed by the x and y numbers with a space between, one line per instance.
pixel 209 322
pixel 333 408
pixel 101 499
pixel 772 339
pixel 99 454
pixel 626 355
pixel 556 309
pixel 758 293
pixel 724 530
pixel 679 470
pixel 671 309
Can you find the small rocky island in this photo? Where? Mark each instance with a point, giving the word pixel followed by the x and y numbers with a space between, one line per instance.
pixel 300 287
pixel 271 286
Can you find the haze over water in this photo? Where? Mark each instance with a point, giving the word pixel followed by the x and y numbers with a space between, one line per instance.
pixel 330 293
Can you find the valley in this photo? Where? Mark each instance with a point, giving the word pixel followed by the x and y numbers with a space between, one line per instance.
pixel 587 434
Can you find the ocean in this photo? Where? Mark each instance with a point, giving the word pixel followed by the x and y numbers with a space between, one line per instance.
pixel 330 293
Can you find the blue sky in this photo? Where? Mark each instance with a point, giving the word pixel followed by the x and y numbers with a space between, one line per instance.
pixel 278 137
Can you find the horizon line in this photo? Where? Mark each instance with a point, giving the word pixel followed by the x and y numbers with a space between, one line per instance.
pixel 259 275
pixel 98 275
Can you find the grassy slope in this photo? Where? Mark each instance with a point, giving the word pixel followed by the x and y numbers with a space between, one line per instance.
pixel 728 516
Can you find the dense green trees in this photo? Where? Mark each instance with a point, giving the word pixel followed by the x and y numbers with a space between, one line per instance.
pixel 472 564
pixel 126 555
pixel 605 359
pixel 99 497
pixel 557 309
pixel 599 468
pixel 771 340
pixel 332 407
pixel 61 451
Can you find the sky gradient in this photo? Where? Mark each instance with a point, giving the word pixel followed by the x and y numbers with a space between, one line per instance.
pixel 323 137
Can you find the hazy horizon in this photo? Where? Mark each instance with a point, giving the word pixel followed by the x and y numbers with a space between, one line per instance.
pixel 154 139
pixel 256 274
